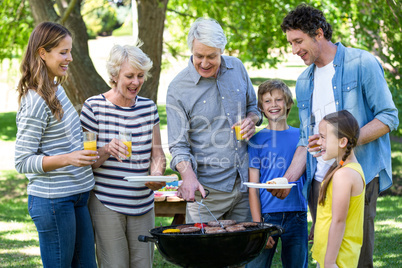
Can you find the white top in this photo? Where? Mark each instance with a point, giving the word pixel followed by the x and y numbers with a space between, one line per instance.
pixel 323 104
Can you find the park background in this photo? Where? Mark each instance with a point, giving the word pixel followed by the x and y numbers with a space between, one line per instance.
pixel 111 22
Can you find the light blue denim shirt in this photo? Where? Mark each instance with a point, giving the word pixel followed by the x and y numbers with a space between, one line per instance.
pixel 200 113
pixel 359 87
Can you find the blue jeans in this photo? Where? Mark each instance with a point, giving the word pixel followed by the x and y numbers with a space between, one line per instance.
pixel 66 237
pixel 294 241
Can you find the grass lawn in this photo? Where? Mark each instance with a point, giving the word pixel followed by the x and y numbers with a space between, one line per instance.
pixel 19 244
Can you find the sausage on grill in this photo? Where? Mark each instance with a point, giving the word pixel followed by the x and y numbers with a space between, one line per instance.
pixel 190 229
pixel 248 224
pixel 214 230
pixel 223 222
pixel 235 228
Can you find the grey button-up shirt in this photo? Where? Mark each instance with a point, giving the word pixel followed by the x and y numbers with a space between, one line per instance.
pixel 200 113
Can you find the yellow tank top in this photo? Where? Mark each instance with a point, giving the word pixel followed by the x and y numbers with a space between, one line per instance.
pixel 349 251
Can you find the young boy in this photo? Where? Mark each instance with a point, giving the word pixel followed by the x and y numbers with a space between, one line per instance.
pixel 270 153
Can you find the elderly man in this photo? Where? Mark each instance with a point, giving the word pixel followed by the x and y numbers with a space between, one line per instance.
pixel 340 78
pixel 204 103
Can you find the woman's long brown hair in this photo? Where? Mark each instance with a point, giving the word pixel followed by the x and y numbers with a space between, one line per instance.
pixel 347 127
pixel 34 74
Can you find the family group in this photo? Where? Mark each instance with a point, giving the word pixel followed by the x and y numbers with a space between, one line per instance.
pixel 88 215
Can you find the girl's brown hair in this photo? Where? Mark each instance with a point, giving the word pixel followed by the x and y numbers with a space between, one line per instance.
pixel 347 127
pixel 34 74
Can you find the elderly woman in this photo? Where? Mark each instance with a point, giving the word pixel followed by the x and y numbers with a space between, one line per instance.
pixel 122 210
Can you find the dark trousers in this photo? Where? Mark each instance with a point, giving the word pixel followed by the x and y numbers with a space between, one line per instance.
pixel 370 205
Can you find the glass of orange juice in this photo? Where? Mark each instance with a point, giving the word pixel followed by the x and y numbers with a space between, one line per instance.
pixel 311 133
pixel 125 137
pixel 239 136
pixel 90 141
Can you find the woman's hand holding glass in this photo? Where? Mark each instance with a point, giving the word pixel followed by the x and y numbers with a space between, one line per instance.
pixel 82 158
pixel 118 149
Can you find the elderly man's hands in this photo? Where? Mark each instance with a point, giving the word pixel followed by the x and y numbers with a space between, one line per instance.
pixel 190 182
pixel 188 188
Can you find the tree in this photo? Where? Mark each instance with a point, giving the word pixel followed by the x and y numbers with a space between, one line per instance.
pixel 254 35
pixel 252 28
pixel 382 35
pixel 83 80
pixel 151 23
pixel 15 28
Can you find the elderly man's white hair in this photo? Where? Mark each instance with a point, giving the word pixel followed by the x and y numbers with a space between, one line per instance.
pixel 208 32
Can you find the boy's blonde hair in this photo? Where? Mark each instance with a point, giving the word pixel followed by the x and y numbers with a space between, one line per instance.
pixel 271 85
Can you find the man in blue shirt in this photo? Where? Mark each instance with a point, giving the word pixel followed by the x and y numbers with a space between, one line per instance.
pixel 204 103
pixel 340 78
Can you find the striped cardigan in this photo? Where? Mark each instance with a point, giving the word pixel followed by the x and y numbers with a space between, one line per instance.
pixel 40 134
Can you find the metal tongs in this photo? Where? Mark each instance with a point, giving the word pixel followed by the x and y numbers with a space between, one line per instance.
pixel 199 213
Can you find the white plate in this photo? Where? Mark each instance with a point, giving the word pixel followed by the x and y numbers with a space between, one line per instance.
pixel 165 193
pixel 269 186
pixel 150 178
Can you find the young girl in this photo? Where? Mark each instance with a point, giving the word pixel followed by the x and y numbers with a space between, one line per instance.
pixel 49 150
pixel 339 227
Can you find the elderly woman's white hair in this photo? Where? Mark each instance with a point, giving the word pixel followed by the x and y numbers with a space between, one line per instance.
pixel 131 54
pixel 208 32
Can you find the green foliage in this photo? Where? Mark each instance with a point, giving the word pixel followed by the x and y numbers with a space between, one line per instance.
pixel 15 27
pixel 162 116
pixel 254 34
pixel 252 28
pixel 100 17
pixel 8 127
pixel 378 28
pixel 127 22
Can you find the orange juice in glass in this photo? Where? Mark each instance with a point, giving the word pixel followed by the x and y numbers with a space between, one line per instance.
pixel 125 137
pixel 311 133
pixel 90 141
pixel 128 144
pixel 238 134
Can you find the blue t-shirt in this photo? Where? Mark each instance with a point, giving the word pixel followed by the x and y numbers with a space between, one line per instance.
pixel 272 152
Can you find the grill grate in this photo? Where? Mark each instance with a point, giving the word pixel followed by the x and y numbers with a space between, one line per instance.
pixel 160 230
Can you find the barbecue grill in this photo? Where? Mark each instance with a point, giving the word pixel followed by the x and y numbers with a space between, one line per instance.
pixel 211 250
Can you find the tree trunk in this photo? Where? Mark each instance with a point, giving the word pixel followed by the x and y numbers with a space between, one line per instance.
pixel 151 22
pixel 83 80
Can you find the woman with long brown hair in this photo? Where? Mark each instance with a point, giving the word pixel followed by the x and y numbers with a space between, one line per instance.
pixel 49 150
pixel 338 235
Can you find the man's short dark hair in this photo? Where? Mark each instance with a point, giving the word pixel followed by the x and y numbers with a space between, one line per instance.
pixel 308 20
